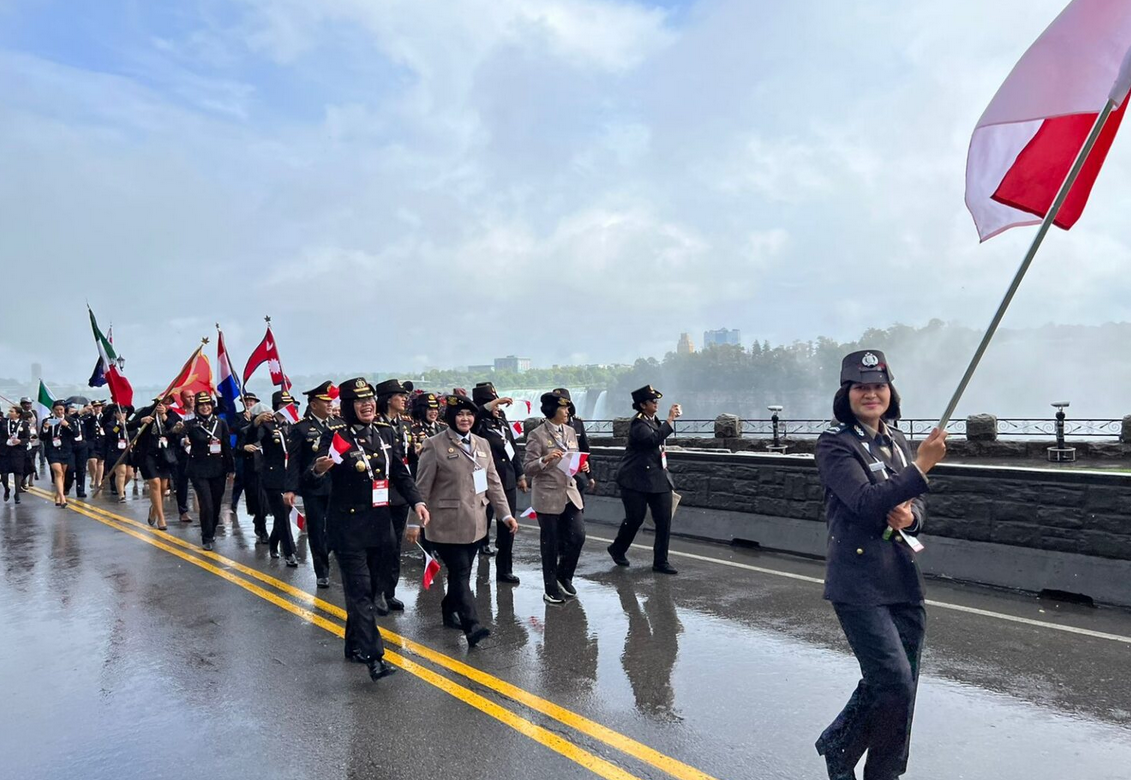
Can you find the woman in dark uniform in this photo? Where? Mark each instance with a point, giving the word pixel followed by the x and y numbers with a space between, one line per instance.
pixel 13 450
pixel 58 435
pixel 209 464
pixel 873 502
pixel 644 480
pixel 359 524
pixel 117 442
pixel 156 455
pixel 96 439
pixel 270 433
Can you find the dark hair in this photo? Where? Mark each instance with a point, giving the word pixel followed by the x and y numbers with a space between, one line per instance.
pixel 383 404
pixel 842 409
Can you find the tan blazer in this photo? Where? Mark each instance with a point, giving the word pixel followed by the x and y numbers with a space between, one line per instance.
pixel 551 487
pixel 443 475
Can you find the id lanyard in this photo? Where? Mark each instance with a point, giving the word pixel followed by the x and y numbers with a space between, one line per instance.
pixel 477 481
pixel 282 443
pixel 162 442
pixel 213 442
pixel 877 466
pixel 380 486
pixel 13 432
pixel 561 445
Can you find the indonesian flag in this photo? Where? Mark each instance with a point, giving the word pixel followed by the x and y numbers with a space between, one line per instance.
pixel 431 568
pixel 120 390
pixel 516 428
pixel 290 412
pixel 572 462
pixel 1036 124
pixel 298 518
pixel 338 448
pixel 267 352
pixel 528 406
pixel 530 513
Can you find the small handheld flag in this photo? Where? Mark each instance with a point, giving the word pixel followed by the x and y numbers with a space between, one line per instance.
pixel 530 513
pixel 338 448
pixel 298 518
pixel 516 429
pixel 290 413
pixel 431 568
pixel 573 462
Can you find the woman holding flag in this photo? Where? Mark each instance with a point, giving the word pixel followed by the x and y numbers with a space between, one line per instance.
pixel 58 435
pixel 361 466
pixel 156 455
pixel 873 502
pixel 555 497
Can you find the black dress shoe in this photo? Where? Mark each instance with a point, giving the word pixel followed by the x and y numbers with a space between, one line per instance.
pixel 292 561
pixel 8 492
pixel 274 553
pixel 380 606
pixel 618 558
pixel 477 635
pixel 510 579
pixel 262 539
pixel 664 568
pixel 553 598
pixel 356 657
pixel 453 621
pixel 487 550
pixel 835 761
pixel 379 668
pixel 17 498
pixel 207 546
pixel 567 589
pixel 395 604
pixel 323 582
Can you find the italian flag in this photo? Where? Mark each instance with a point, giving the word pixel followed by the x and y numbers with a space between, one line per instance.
pixel 120 389
pixel 43 402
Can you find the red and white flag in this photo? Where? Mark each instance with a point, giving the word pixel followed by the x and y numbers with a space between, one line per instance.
pixel 530 513
pixel 1036 124
pixel 431 568
pixel 572 462
pixel 267 352
pixel 338 448
pixel 528 406
pixel 516 429
pixel 290 412
pixel 298 518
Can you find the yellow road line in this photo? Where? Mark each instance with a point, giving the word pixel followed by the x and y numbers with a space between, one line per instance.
pixel 560 745
pixel 590 728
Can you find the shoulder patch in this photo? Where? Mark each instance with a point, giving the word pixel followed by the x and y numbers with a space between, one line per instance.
pixel 836 428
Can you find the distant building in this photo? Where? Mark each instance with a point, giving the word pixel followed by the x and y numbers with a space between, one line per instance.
pixel 714 338
pixel 486 369
pixel 685 346
pixel 515 365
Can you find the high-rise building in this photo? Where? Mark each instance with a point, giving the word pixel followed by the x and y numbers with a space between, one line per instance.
pixel 685 345
pixel 513 364
pixel 713 338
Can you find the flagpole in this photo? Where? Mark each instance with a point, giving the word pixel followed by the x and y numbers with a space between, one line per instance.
pixel 1047 223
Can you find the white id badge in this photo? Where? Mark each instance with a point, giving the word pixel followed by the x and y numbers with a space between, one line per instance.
pixel 912 542
pixel 162 442
pixel 78 437
pixel 663 459
pixel 57 442
pixel 480 478
pixel 214 447
pixel 14 441
pixel 508 449
pixel 121 444
pixel 380 492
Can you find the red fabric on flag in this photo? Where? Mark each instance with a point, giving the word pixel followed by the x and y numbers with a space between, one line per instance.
pixel 516 427
pixel 121 392
pixel 338 448
pixel 290 411
pixel 333 392
pixel 431 569
pixel 267 352
pixel 195 377
pixel 298 518
pixel 530 513
pixel 1042 166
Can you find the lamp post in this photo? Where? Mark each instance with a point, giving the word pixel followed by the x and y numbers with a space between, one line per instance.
pixel 1061 453
pixel 775 410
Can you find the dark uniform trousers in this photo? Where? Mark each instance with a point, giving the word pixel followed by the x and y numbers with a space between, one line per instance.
pixel 181 483
pixel 636 505
pixel 458 560
pixel 281 534
pixel 256 497
pixel 504 539
pixel 316 508
pixel 77 475
pixel 362 573
pixel 888 643
pixel 210 496
pixel 398 514
pixel 561 541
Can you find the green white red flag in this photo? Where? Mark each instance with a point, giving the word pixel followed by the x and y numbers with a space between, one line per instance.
pixel 120 389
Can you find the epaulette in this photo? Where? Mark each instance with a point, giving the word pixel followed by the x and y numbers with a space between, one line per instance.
pixel 836 428
pixel 379 423
pixel 640 416
pixel 335 424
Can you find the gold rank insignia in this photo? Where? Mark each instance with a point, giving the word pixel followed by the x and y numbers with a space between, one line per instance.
pixel 451 449
pixel 360 465
pixel 359 384
pixel 563 402
pixel 453 401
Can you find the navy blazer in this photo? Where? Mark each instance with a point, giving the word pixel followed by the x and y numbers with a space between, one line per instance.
pixel 641 467
pixel 863 568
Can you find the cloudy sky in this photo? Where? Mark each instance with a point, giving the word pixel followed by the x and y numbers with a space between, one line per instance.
pixel 419 183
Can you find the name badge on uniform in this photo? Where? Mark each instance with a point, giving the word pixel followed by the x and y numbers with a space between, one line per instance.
pixel 162 443
pixel 508 449
pixel 912 542
pixel 380 492
pixel 875 466
pixel 14 441
pixel 663 460
pixel 479 478
pixel 78 437
pixel 214 447
pixel 121 444
pixel 57 442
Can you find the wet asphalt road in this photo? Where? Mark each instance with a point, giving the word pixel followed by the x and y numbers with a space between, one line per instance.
pixel 120 659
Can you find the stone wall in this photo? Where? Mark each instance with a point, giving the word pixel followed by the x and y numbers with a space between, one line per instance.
pixel 1072 511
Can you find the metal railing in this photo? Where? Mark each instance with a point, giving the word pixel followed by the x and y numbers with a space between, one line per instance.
pixel 914 428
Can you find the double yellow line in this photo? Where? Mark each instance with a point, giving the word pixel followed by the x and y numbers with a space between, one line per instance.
pixel 579 723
